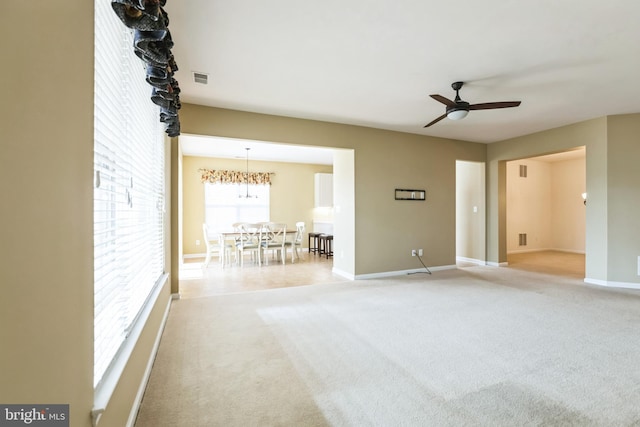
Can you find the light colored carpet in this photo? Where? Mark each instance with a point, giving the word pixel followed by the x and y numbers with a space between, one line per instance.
pixel 478 346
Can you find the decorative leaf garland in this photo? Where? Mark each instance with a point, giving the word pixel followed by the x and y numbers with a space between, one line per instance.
pixel 152 43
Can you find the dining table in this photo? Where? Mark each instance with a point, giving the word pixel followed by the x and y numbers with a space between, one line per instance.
pixel 226 238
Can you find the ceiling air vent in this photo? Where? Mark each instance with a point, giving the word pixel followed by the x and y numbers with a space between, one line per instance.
pixel 200 78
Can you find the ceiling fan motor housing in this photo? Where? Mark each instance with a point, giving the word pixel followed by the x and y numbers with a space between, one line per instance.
pixel 457 111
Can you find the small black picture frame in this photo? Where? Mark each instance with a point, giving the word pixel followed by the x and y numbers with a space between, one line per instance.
pixel 407 194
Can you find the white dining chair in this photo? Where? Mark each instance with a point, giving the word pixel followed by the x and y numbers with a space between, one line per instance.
pixel 215 245
pixel 296 243
pixel 249 241
pixel 273 238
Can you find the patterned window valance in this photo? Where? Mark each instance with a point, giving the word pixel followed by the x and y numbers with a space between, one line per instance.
pixel 234 177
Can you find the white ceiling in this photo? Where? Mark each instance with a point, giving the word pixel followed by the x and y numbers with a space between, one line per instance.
pixel 375 63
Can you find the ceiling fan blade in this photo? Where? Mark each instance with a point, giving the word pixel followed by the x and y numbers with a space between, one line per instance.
pixel 445 101
pixel 436 120
pixel 493 105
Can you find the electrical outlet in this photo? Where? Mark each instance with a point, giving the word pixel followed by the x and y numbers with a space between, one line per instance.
pixel 197 242
pixel 419 252
pixel 413 252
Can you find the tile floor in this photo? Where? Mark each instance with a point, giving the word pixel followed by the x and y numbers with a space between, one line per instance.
pixel 198 281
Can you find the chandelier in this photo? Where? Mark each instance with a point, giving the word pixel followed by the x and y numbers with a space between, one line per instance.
pixel 247 196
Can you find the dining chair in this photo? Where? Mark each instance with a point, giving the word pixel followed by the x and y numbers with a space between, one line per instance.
pixel 236 238
pixel 273 238
pixel 296 243
pixel 249 241
pixel 215 245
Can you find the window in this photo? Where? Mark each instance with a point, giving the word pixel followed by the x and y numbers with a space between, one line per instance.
pixel 226 204
pixel 128 189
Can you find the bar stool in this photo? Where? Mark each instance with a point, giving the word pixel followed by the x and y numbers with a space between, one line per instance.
pixel 314 238
pixel 328 245
pixel 322 244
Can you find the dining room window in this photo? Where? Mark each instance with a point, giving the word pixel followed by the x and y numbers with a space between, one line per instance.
pixel 228 203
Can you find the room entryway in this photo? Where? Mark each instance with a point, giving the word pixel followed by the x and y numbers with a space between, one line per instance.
pixel 197 281
pixel 568 264
pixel 546 213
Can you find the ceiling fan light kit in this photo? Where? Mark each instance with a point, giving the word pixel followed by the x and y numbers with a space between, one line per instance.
pixel 458 109
pixel 457 114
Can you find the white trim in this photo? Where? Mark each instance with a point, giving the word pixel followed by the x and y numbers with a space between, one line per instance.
pixel 187 256
pixel 523 251
pixel 611 284
pixel 147 373
pixel 343 274
pixel 497 264
pixel 402 272
pixel 471 260
pixel 570 251
pixel 106 387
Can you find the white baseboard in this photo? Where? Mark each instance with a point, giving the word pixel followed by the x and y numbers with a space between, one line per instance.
pixel 471 260
pixel 524 251
pixel 497 264
pixel 612 284
pixel 384 274
pixel 569 251
pixel 188 256
pixel 344 274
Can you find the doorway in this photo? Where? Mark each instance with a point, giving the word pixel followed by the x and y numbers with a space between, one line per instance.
pixel 291 200
pixel 545 212
pixel 470 213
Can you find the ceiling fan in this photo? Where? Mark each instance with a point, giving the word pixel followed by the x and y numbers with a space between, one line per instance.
pixel 458 109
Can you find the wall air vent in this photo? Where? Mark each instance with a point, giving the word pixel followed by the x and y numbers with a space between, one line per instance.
pixel 200 78
pixel 522 239
pixel 523 171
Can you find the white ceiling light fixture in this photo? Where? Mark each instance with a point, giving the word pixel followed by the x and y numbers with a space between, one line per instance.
pixel 457 114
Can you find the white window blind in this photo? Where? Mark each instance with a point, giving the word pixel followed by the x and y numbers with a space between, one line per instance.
pixel 226 204
pixel 128 188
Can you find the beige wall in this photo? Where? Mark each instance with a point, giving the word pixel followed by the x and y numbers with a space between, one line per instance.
pixel 529 205
pixel 291 193
pixel 385 230
pixel 568 211
pixel 46 182
pixel 623 198
pixel 46 176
